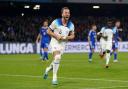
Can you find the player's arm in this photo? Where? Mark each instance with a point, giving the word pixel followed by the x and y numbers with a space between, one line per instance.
pixel 119 39
pixel 51 29
pixel 71 36
pixel 96 39
pixel 89 38
pixel 105 37
pixel 38 38
pixel 52 34
pixel 101 35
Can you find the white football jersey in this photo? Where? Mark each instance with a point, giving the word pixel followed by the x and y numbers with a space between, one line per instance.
pixel 106 44
pixel 109 33
pixel 102 40
pixel 58 28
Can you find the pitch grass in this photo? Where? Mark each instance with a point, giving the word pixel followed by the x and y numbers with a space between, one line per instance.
pixel 24 71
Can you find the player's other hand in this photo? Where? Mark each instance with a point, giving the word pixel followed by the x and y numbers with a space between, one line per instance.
pixel 58 37
pixel 98 33
pixel 64 38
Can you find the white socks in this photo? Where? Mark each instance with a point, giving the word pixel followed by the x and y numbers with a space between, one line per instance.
pixel 56 66
pixel 49 68
pixel 107 58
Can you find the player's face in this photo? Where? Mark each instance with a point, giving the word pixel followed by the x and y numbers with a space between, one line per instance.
pixel 117 24
pixel 109 24
pixel 66 14
pixel 45 24
pixel 94 27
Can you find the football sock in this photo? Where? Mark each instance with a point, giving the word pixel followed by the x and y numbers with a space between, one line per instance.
pixel 115 55
pixel 90 55
pixel 56 66
pixel 107 58
pixel 46 55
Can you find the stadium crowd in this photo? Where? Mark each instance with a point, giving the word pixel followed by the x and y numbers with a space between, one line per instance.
pixel 26 28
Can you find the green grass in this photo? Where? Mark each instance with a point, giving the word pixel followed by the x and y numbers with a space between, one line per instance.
pixel 25 72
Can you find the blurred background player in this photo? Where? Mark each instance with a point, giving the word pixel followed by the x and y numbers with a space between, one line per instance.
pixel 60 30
pixel 92 39
pixel 44 40
pixel 102 42
pixel 103 38
pixel 115 39
pixel 106 41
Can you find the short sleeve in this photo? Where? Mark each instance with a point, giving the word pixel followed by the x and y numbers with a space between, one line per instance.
pixel 114 30
pixel 72 28
pixel 102 29
pixel 53 25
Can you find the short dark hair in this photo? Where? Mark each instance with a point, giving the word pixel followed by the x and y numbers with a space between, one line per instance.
pixel 109 23
pixel 64 9
pixel 117 20
pixel 45 20
pixel 93 24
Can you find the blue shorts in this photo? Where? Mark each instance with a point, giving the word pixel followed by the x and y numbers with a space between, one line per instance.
pixel 115 45
pixel 92 45
pixel 44 45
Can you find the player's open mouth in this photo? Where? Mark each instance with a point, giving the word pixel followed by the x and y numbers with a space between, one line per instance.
pixel 67 17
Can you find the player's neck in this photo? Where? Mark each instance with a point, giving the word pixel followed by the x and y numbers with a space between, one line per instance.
pixel 44 26
pixel 64 22
pixel 92 30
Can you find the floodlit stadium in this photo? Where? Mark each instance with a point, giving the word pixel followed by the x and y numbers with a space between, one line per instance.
pixel 63 44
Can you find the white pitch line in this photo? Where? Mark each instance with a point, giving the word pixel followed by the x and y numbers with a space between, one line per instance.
pixel 107 87
pixel 88 79
pixel 20 75
pixel 113 87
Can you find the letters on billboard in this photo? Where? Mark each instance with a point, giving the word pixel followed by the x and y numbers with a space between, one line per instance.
pixel 71 47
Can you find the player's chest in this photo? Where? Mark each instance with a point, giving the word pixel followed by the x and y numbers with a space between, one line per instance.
pixel 43 32
pixel 62 30
pixel 93 34
pixel 108 31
